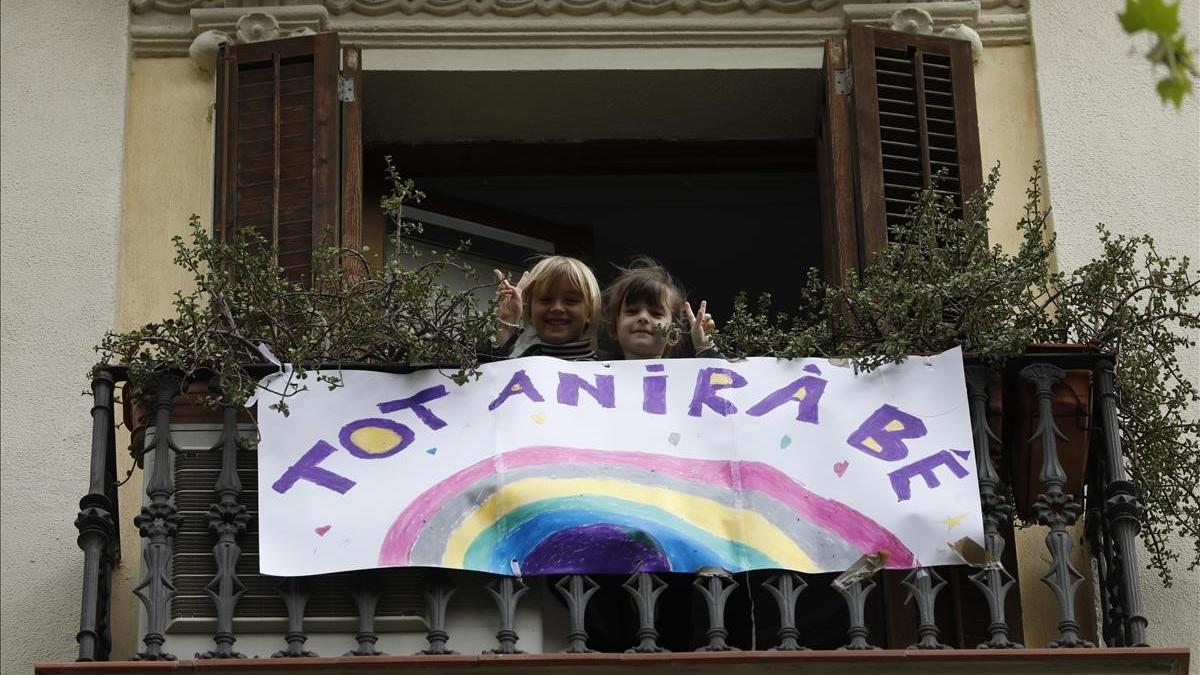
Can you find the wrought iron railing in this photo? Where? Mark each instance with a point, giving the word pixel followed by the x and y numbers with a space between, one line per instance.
pixel 796 611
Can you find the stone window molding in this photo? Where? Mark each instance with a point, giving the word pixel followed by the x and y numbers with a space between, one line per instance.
pixel 198 27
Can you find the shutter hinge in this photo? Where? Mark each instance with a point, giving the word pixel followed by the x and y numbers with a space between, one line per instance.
pixel 843 82
pixel 345 88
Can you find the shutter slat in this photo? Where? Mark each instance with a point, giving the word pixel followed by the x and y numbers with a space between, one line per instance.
pixel 915 119
pixel 272 163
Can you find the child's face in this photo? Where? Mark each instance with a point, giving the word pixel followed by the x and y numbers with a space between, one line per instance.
pixel 558 313
pixel 638 330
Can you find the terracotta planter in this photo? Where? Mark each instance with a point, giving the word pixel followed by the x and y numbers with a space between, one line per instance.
pixel 1072 408
pixel 188 408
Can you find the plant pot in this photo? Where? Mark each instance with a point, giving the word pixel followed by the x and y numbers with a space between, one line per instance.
pixel 189 407
pixel 1072 409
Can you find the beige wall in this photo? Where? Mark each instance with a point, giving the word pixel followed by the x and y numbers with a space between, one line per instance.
pixel 1115 154
pixel 168 159
pixel 1010 132
pixel 63 84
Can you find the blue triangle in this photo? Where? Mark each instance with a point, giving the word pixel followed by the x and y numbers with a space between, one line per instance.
pixel 965 454
pixel 432 451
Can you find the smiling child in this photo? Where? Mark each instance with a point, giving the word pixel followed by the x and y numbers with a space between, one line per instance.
pixel 553 310
pixel 641 308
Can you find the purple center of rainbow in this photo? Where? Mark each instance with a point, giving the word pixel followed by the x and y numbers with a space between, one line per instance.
pixel 612 550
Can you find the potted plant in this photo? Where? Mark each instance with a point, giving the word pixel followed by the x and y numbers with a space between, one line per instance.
pixel 939 284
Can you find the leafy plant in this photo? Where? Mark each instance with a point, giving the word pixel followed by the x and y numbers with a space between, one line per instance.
pixel 1170 50
pixel 938 284
pixel 242 308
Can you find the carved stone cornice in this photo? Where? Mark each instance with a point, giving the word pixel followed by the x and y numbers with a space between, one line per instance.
pixel 170 27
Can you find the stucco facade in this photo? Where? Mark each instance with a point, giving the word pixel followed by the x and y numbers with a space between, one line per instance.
pixel 1116 155
pixel 63 84
pixel 107 151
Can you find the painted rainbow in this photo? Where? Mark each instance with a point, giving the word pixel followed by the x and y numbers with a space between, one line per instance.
pixel 557 510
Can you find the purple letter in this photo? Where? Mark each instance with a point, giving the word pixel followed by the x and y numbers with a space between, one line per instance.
pixel 654 391
pixel 306 468
pixel 569 385
pixel 708 382
pixel 806 391
pixel 402 433
pixel 518 384
pixel 924 468
pixel 882 435
pixel 417 402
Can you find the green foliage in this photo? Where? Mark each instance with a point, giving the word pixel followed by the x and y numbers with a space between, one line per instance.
pixel 1161 19
pixel 939 285
pixel 350 313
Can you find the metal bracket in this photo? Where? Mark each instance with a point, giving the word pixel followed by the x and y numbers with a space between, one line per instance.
pixel 843 82
pixel 345 89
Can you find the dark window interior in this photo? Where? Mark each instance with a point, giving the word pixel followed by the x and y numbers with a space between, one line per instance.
pixel 710 172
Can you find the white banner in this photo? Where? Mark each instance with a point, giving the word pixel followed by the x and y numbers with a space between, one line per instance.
pixel 543 466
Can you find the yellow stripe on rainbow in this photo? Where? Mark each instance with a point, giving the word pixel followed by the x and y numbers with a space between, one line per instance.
pixel 706 514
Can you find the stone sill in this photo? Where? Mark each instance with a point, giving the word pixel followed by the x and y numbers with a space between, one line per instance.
pixel 1167 660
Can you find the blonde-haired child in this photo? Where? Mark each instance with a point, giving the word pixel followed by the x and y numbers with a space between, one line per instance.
pixel 641 307
pixel 553 310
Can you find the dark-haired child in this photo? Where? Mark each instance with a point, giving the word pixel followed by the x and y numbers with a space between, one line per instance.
pixel 641 308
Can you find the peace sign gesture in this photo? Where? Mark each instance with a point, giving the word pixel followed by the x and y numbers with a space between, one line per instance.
pixel 702 326
pixel 508 298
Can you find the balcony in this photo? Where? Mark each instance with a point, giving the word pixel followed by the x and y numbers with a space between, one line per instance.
pixel 204 601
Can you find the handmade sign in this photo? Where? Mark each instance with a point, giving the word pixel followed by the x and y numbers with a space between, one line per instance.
pixel 543 466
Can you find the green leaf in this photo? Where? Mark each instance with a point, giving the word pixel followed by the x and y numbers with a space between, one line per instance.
pixel 1155 16
pixel 1173 89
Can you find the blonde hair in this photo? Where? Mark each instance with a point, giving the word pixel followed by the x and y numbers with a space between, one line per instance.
pixel 554 269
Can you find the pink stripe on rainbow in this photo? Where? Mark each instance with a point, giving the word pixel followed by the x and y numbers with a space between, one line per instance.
pixel 851 526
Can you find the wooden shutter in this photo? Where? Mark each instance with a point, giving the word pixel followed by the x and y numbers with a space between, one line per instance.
pixel 914 116
pixel 835 168
pixel 279 146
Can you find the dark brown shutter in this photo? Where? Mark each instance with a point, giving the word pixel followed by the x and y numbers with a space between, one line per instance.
pixel 914 116
pixel 279 150
pixel 835 168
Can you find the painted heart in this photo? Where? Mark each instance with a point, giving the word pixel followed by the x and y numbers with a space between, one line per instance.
pixel 673 439
pixel 840 468
pixel 322 530
pixel 538 418
pixel 785 441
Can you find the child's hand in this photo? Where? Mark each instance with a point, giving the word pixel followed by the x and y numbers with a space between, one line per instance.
pixel 508 298
pixel 702 325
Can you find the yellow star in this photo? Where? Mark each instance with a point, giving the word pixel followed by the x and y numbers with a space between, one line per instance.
pixel 954 521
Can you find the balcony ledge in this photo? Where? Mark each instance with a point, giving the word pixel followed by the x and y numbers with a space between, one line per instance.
pixel 1172 660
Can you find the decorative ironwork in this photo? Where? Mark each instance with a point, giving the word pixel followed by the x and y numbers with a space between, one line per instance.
pixel 992 579
pixel 855 584
pixel 577 590
pixel 715 587
pixel 366 596
pixel 786 587
pixel 158 523
pixel 1055 508
pixel 924 584
pixel 227 520
pixel 437 599
pixel 294 591
pixel 1122 512
pixel 507 591
pixel 96 530
pixel 645 589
